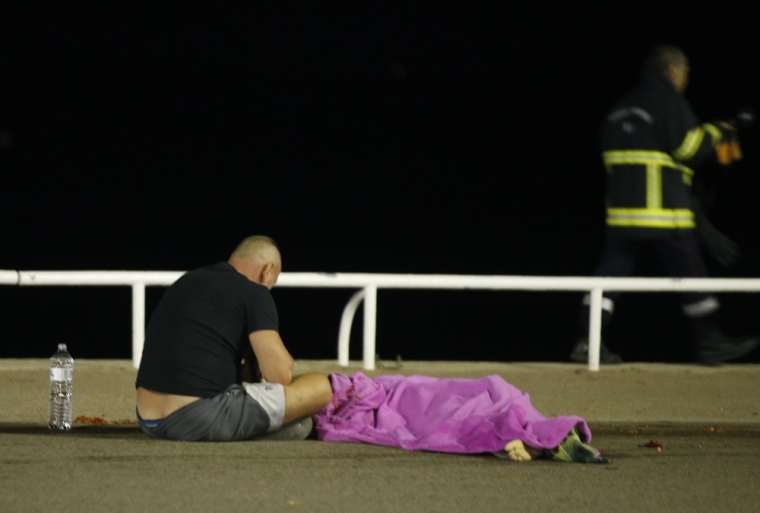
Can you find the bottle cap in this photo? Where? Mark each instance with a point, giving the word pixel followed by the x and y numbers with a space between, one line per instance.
pixel 62 347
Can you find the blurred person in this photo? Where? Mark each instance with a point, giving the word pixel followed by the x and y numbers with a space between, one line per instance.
pixel 651 143
pixel 214 327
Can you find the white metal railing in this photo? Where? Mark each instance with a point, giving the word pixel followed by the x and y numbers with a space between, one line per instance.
pixel 8 277
pixel 370 283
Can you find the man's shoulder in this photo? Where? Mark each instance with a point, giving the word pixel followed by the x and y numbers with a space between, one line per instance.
pixel 221 276
pixel 218 267
pixel 657 103
pixel 219 271
pixel 225 274
pixel 210 276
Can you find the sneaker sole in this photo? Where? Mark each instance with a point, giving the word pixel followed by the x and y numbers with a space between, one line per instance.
pixel 297 430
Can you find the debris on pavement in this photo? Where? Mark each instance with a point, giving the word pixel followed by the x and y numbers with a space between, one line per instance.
pixel 653 444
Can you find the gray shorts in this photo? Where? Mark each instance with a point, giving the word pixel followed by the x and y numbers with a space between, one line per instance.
pixel 238 413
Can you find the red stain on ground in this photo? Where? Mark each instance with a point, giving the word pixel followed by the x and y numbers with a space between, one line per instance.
pixel 100 421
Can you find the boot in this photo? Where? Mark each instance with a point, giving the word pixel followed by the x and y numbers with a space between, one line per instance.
pixel 713 347
pixel 580 353
pixel 716 348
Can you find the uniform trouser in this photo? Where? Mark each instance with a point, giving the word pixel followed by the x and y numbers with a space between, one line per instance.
pixel 681 257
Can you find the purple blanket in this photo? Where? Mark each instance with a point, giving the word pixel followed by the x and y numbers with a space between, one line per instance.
pixel 434 414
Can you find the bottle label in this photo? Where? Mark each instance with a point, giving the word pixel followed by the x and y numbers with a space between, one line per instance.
pixel 58 374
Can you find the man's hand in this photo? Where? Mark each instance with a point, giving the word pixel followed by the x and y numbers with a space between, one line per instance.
pixel 728 150
pixel 722 248
pixel 275 362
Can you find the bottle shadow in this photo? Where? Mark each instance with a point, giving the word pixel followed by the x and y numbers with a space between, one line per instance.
pixel 77 431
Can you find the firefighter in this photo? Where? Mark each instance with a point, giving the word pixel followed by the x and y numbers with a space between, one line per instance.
pixel 651 143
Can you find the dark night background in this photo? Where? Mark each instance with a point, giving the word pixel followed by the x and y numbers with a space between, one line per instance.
pixel 409 137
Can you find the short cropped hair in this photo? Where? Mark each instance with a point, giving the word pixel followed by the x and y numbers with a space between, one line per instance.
pixel 255 246
pixel 662 56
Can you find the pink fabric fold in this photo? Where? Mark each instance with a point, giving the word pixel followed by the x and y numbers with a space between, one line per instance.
pixel 436 414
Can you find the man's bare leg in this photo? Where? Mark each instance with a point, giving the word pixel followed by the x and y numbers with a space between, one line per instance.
pixel 306 395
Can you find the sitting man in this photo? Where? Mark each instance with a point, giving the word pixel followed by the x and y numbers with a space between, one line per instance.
pixel 190 381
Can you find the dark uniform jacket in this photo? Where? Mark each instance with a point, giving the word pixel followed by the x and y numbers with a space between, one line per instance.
pixel 651 141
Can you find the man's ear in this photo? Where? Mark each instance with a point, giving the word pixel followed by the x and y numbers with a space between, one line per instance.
pixel 673 73
pixel 266 271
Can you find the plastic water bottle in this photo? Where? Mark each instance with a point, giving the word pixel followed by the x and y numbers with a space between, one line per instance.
pixel 61 376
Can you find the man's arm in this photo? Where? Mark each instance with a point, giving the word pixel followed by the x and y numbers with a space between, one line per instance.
pixel 249 371
pixel 306 394
pixel 689 141
pixel 275 362
pixel 698 143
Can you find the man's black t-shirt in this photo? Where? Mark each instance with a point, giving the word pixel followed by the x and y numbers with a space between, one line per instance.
pixel 196 335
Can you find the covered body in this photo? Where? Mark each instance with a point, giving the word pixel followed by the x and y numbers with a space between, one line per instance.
pixel 436 414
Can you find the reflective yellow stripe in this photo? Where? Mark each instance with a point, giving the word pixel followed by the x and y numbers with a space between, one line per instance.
pixel 680 212
pixel 650 217
pixel 714 132
pixel 690 144
pixel 635 223
pixel 654 187
pixel 644 158
pixel 653 216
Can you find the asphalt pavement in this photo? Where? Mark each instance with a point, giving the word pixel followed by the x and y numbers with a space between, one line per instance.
pixel 679 437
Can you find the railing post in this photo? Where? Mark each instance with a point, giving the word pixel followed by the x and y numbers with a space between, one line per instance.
pixel 370 321
pixel 346 320
pixel 595 329
pixel 138 322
